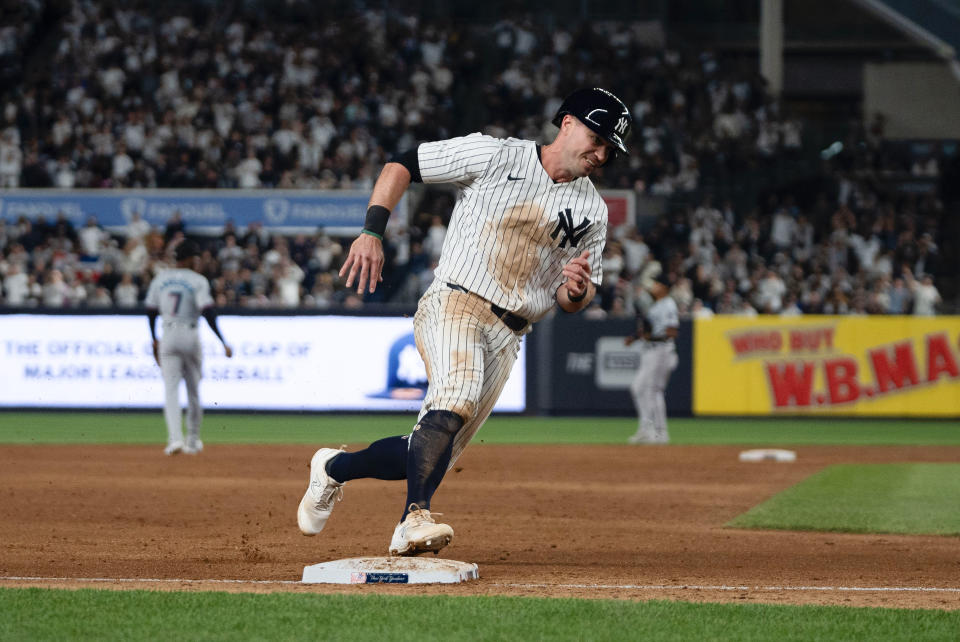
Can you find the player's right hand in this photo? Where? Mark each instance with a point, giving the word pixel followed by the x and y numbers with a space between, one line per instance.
pixel 228 351
pixel 364 263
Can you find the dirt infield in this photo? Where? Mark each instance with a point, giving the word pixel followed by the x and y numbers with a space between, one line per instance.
pixel 562 521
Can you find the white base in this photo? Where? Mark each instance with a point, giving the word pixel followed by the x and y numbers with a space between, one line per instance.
pixel 768 454
pixel 390 570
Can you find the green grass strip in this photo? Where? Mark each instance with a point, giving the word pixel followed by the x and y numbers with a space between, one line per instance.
pixel 44 614
pixel 920 499
pixel 137 427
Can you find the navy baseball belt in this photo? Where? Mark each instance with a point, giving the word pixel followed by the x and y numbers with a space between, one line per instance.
pixel 513 321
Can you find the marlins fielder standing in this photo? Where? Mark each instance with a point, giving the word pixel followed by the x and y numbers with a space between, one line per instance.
pixel 527 231
pixel 658 328
pixel 180 295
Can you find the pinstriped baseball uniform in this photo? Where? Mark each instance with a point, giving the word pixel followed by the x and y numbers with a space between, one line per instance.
pixel 659 360
pixel 180 295
pixel 511 232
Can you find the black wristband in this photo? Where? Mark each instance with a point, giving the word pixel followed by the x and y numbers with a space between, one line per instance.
pixel 376 220
pixel 577 299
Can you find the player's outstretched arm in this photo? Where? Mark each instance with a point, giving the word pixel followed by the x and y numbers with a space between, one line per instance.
pixel 578 291
pixel 364 262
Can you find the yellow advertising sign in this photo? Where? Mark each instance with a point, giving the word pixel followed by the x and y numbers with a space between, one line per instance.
pixel 837 365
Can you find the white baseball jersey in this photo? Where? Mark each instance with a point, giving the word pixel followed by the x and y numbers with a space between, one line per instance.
pixel 663 314
pixel 180 295
pixel 512 229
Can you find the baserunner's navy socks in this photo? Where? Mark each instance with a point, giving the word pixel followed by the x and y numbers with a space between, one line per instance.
pixel 383 459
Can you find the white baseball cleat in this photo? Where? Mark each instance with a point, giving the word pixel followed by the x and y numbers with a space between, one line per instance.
pixel 645 438
pixel 193 447
pixel 173 448
pixel 321 495
pixel 419 533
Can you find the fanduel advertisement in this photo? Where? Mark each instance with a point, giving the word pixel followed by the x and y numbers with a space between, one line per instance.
pixel 202 211
pixel 279 363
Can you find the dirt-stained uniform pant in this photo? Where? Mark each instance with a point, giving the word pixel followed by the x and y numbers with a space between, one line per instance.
pixel 657 363
pixel 181 358
pixel 469 354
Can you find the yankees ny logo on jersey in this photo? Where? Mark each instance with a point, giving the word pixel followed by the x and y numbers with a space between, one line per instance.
pixel 570 233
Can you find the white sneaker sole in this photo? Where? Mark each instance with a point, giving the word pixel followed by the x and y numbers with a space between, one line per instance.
pixel 429 545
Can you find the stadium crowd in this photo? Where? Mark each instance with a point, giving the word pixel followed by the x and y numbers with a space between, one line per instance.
pixel 199 96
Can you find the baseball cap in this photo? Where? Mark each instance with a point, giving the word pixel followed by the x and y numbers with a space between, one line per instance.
pixel 406 373
pixel 186 249
pixel 661 278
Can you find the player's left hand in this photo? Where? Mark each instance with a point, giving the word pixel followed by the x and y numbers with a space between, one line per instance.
pixel 227 350
pixel 364 263
pixel 156 351
pixel 577 272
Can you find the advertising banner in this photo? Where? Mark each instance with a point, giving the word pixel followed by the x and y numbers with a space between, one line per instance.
pixel 835 365
pixel 279 363
pixel 584 367
pixel 202 211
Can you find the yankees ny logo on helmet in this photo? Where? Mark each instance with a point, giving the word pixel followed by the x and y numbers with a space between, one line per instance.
pixel 602 112
pixel 570 233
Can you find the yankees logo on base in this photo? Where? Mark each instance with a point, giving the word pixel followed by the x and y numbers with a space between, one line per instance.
pixel 527 233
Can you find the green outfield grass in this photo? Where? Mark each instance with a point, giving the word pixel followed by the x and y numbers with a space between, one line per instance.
pixel 867 498
pixel 148 428
pixel 39 614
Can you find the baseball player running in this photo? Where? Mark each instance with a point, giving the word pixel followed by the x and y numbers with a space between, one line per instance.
pixel 658 329
pixel 527 231
pixel 180 295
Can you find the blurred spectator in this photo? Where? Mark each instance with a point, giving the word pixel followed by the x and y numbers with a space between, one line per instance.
pixel 925 294
pixel 92 239
pixel 126 294
pixel 16 285
pixel 11 161
pixel 136 227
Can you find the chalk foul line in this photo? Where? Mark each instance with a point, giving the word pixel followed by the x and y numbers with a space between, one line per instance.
pixel 622 587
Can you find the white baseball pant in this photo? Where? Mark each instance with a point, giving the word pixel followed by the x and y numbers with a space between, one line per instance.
pixel 469 354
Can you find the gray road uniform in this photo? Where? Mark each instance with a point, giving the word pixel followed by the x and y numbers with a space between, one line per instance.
pixel 657 363
pixel 180 295
pixel 511 231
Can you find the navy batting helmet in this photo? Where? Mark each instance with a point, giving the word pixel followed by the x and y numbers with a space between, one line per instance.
pixel 602 112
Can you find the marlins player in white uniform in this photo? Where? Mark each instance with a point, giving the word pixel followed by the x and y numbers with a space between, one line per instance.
pixel 527 233
pixel 658 328
pixel 180 296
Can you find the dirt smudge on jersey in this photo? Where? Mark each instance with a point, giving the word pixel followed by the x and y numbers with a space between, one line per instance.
pixel 462 313
pixel 519 233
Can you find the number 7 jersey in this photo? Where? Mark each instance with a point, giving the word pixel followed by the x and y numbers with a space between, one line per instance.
pixel 179 294
pixel 513 228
